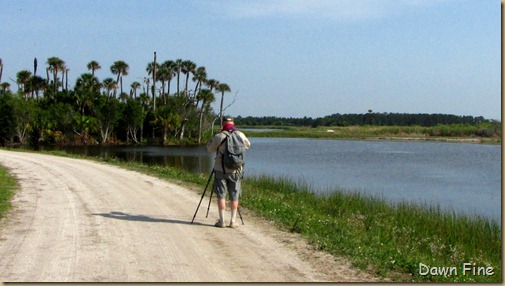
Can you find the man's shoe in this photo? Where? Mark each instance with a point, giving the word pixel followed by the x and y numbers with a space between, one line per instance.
pixel 219 224
pixel 233 225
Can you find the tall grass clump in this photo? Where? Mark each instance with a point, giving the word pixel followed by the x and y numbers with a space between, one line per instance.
pixel 7 186
pixel 390 239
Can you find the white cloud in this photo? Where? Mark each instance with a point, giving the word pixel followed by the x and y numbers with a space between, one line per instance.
pixel 337 10
pixel 302 8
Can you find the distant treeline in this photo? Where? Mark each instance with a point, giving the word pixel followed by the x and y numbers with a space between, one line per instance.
pixel 377 119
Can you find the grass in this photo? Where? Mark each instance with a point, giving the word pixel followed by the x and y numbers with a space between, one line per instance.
pixel 8 185
pixel 386 239
pixel 483 133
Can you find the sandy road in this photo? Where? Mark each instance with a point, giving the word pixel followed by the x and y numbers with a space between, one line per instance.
pixel 82 221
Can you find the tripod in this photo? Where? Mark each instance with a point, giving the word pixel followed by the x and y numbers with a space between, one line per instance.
pixel 210 199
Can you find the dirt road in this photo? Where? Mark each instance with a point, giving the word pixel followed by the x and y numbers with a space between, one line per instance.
pixel 82 221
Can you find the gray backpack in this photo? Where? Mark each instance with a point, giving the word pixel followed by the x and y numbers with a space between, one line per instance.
pixel 233 156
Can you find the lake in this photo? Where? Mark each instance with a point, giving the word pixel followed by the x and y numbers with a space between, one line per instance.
pixel 462 177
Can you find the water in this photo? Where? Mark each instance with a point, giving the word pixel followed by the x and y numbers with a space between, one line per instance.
pixel 461 177
pixel 457 176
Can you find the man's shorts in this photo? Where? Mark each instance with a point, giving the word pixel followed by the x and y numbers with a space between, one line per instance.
pixel 227 182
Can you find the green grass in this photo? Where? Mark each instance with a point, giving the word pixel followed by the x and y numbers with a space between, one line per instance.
pixel 8 185
pixel 483 133
pixel 383 238
pixel 387 239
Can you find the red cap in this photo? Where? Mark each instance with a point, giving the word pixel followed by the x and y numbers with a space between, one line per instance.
pixel 228 123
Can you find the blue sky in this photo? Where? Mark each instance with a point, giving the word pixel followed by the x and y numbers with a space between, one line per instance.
pixel 289 58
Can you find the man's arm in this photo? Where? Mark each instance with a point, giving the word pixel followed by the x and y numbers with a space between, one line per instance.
pixel 247 144
pixel 214 143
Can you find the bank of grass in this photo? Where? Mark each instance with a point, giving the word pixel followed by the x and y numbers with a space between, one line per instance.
pixel 386 239
pixel 481 133
pixel 8 185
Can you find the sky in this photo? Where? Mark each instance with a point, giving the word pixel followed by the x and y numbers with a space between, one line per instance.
pixel 285 58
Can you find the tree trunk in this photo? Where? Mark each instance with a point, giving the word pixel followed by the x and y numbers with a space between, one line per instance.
pixel 221 108
pixel 34 67
pixel 154 83
pixel 200 128
pixel 55 81
pixel 183 128
pixel 117 82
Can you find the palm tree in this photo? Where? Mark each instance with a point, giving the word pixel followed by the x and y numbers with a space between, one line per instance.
pixel 109 84
pixel 212 83
pixel 168 69
pixel 200 77
pixel 55 65
pixel 207 97
pixel 37 83
pixel 88 82
pixel 222 87
pixel 5 86
pixel 61 67
pixel 177 68
pixel 22 79
pixel 150 69
pixel 93 66
pixel 144 99
pixel 187 68
pixel 165 74
pixel 121 69
pixel 135 85
pixel 147 80
pixel 66 78
pixel 123 97
pixel 87 87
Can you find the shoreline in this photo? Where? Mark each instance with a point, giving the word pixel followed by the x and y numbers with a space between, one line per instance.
pixel 446 133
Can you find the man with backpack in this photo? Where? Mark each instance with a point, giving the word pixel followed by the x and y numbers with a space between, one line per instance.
pixel 229 145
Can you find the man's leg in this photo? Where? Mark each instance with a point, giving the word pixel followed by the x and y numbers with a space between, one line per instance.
pixel 234 189
pixel 221 206
pixel 233 207
pixel 220 190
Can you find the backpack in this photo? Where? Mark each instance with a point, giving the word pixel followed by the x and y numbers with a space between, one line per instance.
pixel 233 156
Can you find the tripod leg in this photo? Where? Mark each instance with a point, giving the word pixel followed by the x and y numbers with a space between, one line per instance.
pixel 205 190
pixel 240 215
pixel 208 207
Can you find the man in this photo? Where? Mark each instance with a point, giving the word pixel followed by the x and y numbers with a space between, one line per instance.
pixel 226 179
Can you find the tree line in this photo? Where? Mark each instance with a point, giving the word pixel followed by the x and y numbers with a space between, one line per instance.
pixel 370 118
pixel 47 110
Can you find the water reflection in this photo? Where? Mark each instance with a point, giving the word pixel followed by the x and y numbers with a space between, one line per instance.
pixel 190 158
